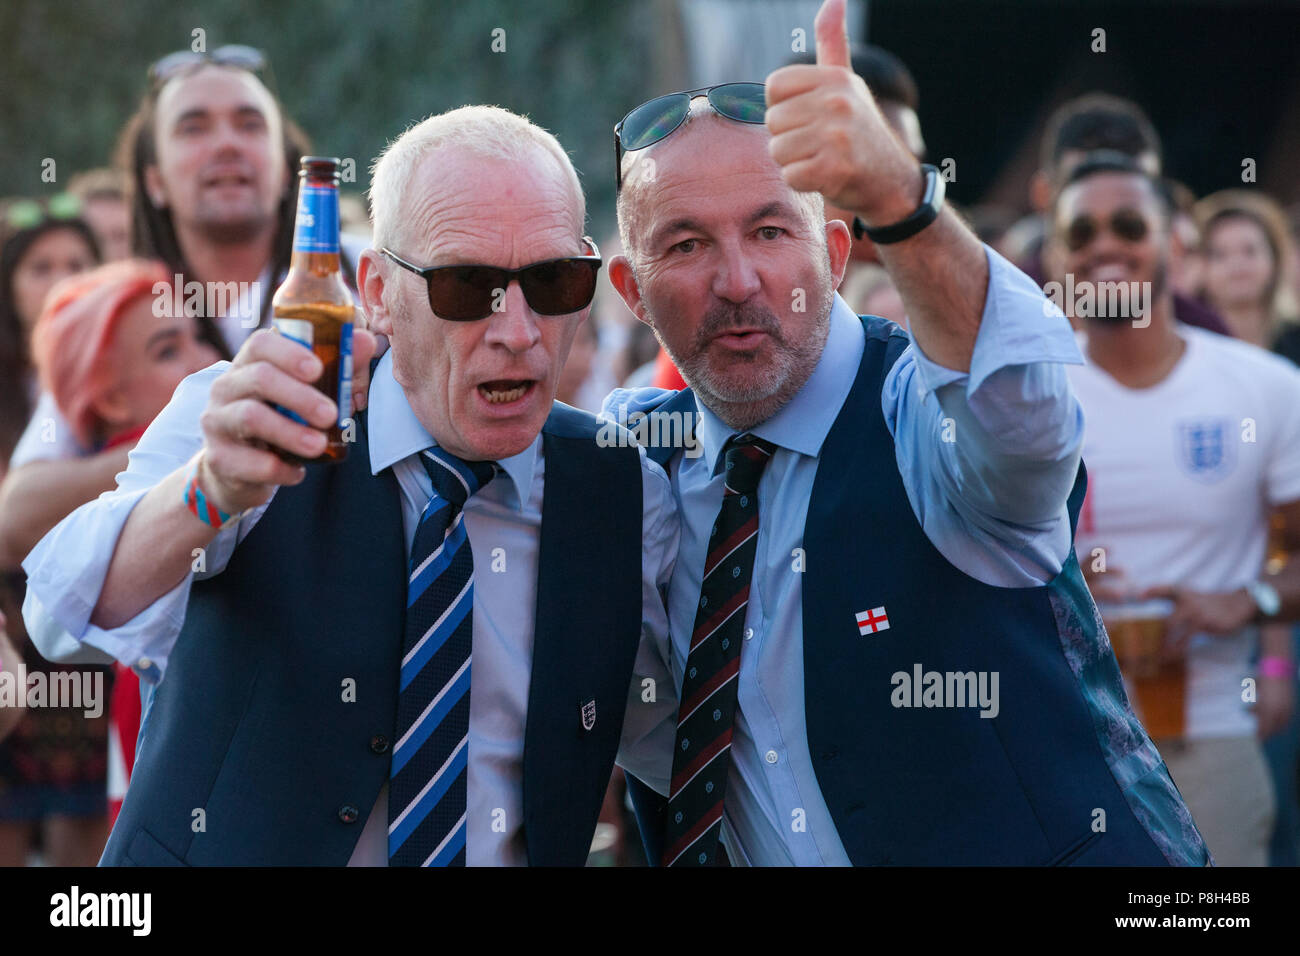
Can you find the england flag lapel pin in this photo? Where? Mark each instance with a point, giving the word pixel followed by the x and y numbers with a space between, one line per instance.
pixel 589 714
pixel 873 621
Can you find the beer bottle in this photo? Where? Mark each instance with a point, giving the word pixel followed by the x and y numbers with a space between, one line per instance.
pixel 313 306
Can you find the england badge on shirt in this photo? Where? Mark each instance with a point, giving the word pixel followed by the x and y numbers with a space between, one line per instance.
pixel 1207 449
pixel 873 621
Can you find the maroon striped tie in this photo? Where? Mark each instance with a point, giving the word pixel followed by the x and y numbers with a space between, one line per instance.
pixel 707 714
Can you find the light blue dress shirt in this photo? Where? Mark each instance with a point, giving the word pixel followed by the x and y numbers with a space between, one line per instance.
pixel 987 457
pixel 67 569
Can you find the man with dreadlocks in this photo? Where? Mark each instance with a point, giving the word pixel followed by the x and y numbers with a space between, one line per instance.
pixel 211 158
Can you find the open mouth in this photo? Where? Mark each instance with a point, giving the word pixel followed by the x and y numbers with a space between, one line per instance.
pixel 740 338
pixel 222 180
pixel 503 391
pixel 1113 270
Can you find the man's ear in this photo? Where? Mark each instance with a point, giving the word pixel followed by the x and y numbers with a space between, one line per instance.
pixel 370 289
pixel 1177 248
pixel 1053 257
pixel 839 244
pixel 1040 191
pixel 620 274
pixel 154 187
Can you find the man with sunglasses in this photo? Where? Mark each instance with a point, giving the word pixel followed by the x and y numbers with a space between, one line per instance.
pixel 1084 125
pixel 1193 442
pixel 880 524
pixel 317 625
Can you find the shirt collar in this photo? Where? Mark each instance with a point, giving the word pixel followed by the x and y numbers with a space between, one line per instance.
pixel 395 433
pixel 803 423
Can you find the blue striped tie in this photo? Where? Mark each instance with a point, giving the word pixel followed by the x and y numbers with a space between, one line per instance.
pixel 427 790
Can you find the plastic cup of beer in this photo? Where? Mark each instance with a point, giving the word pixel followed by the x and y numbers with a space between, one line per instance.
pixel 1158 687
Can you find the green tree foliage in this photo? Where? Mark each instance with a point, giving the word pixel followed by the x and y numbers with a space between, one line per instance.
pixel 353 73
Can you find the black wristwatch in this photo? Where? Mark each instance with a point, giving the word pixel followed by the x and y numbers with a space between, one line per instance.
pixel 926 213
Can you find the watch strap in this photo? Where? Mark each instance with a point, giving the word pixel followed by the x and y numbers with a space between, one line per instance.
pixel 1266 599
pixel 924 214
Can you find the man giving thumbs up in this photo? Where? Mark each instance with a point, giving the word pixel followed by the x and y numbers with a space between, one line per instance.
pixel 884 648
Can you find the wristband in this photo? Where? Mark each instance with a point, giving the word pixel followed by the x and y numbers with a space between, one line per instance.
pixel 1276 667
pixel 200 505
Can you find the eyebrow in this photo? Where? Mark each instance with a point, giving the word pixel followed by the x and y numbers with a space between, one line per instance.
pixel 202 112
pixel 160 335
pixel 680 224
pixel 776 209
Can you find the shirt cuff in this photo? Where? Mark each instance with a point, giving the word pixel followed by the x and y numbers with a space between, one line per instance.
pixel 55 643
pixel 1019 326
pixel 130 642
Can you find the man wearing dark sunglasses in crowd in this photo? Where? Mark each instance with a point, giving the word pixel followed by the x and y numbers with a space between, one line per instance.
pixel 1193 442
pixel 1084 125
pixel 212 160
pixel 319 704
pixel 885 650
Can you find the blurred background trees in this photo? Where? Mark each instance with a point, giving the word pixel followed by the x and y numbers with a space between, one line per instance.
pixel 1220 79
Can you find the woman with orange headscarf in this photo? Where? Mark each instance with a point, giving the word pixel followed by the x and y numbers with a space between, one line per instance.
pixel 110 351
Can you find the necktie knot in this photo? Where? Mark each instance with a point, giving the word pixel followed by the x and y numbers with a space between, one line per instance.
pixel 454 479
pixel 745 458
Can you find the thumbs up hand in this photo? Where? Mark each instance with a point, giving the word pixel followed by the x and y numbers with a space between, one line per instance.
pixel 828 135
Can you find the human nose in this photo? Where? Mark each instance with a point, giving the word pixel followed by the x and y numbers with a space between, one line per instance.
pixel 736 278
pixel 514 324
pixel 227 138
pixel 1104 239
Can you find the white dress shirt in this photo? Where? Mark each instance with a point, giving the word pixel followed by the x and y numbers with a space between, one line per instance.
pixel 67 569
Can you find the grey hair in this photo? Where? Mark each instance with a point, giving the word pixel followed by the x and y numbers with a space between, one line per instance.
pixel 487 131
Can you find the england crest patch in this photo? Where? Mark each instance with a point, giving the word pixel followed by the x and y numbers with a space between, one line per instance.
pixel 1207 449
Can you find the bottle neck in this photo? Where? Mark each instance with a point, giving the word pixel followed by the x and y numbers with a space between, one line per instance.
pixel 315 263
pixel 316 228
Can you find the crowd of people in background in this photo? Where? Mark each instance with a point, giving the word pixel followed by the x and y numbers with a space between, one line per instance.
pixel 203 188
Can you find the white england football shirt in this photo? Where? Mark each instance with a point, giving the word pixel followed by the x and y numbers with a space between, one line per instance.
pixel 1182 477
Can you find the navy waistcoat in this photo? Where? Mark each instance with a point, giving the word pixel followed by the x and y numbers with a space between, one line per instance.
pixel 271 735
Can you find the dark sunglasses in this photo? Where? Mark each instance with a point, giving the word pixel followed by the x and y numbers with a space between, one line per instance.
pixel 659 118
pixel 467 293
pixel 1128 224
pixel 235 54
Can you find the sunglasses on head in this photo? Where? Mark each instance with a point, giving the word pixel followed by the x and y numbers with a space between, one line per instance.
pixel 659 118
pixel 25 213
pixel 1127 224
pixel 234 54
pixel 465 293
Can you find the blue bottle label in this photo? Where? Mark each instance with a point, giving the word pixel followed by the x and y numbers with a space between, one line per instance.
pixel 296 330
pixel 316 228
pixel 300 331
pixel 345 374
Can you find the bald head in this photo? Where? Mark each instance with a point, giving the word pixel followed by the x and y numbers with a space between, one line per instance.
pixel 460 137
pixel 689 152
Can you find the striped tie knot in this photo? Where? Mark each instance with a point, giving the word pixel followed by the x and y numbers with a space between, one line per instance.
pixel 455 479
pixel 746 456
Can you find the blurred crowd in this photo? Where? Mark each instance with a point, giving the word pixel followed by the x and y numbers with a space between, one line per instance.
pixel 202 188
